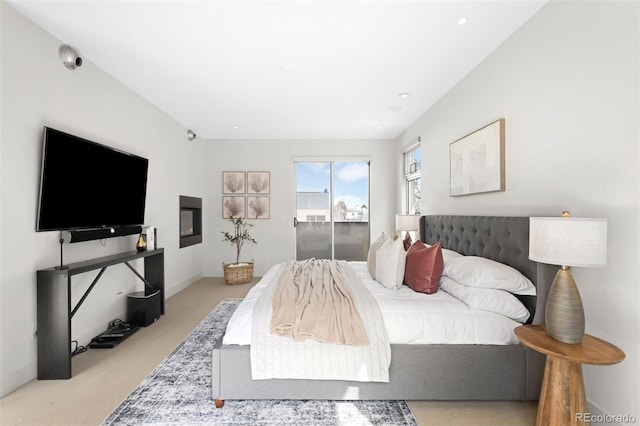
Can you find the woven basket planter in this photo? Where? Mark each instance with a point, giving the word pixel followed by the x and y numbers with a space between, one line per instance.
pixel 241 273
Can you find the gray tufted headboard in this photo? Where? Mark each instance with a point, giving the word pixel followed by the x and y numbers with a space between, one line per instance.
pixel 500 238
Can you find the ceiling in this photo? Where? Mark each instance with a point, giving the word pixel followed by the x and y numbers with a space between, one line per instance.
pixel 285 69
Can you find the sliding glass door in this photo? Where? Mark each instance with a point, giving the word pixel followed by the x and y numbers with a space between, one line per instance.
pixel 332 209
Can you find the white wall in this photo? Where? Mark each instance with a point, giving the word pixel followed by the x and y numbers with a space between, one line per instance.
pixel 37 90
pixel 567 84
pixel 276 235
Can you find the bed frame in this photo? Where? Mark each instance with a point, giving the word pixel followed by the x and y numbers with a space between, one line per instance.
pixel 425 372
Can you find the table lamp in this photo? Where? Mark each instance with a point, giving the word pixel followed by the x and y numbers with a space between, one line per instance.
pixel 407 222
pixel 567 241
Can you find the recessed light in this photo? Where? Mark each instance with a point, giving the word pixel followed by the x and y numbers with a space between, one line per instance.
pixel 379 126
pixel 404 95
pixel 463 21
pixel 235 127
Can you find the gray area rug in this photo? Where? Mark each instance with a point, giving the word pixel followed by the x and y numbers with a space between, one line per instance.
pixel 178 391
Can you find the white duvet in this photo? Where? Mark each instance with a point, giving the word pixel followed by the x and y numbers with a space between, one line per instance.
pixel 277 357
pixel 409 317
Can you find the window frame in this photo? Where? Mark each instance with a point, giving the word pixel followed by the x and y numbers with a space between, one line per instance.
pixel 412 176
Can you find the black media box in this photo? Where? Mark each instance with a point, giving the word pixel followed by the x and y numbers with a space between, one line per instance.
pixel 143 309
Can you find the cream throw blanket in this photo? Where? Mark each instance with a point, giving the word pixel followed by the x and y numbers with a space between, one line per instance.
pixel 357 351
pixel 313 300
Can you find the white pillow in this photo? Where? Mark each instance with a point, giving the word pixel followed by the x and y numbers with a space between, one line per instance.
pixel 371 256
pixel 487 299
pixel 447 254
pixel 480 272
pixel 390 262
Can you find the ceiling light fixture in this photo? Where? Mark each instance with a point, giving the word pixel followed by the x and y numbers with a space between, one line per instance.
pixel 191 135
pixel 463 21
pixel 404 95
pixel 235 127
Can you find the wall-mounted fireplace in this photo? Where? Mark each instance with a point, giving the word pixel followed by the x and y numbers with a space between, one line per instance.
pixel 190 221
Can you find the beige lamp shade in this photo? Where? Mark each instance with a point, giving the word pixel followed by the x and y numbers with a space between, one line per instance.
pixel 407 222
pixel 568 241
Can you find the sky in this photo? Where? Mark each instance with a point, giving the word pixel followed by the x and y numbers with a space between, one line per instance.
pixel 351 180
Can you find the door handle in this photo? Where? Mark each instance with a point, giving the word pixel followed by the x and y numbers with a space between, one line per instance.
pixel 295 222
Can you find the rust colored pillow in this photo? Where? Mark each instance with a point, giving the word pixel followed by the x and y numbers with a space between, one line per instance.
pixel 423 267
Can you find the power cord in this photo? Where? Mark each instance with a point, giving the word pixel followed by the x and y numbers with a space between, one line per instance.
pixel 78 349
pixel 117 325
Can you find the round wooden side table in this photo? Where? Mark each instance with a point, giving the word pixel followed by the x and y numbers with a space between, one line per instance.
pixel 562 398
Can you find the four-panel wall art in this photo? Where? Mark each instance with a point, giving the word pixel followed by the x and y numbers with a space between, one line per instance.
pixel 246 195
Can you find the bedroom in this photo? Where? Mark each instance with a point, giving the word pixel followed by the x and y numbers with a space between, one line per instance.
pixel 572 143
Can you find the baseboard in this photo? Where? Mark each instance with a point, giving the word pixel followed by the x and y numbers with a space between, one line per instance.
pixel 598 417
pixel 18 377
pixel 170 291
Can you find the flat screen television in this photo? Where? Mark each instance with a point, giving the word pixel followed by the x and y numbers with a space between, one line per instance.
pixel 87 185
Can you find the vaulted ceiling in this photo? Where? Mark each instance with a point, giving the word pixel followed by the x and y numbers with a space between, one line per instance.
pixel 285 69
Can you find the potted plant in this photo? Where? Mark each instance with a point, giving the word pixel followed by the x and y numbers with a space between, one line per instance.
pixel 238 273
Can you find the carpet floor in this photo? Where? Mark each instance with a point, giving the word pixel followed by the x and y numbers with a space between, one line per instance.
pixel 178 391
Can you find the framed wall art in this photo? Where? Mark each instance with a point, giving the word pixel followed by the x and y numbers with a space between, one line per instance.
pixel 258 208
pixel 258 182
pixel 476 161
pixel 233 182
pixel 233 206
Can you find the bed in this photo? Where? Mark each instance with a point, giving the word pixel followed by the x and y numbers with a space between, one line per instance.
pixel 425 371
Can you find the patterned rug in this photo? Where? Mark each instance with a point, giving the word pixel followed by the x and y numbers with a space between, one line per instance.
pixel 178 392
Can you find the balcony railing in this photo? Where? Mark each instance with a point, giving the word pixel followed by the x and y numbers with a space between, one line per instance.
pixel 351 240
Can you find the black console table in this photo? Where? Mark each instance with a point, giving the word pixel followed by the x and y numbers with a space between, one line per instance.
pixel 54 305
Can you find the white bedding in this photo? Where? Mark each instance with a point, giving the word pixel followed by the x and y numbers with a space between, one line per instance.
pixel 409 317
pixel 277 357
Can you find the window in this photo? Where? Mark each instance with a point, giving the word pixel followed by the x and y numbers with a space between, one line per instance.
pixel 332 209
pixel 413 178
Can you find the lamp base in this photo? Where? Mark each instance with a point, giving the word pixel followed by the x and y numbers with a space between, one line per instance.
pixel 564 315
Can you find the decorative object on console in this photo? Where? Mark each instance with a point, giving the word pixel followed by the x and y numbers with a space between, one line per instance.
pixel 62 265
pixel 476 161
pixel 238 273
pixel 409 223
pixel 141 245
pixel 567 242
pixel 151 237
